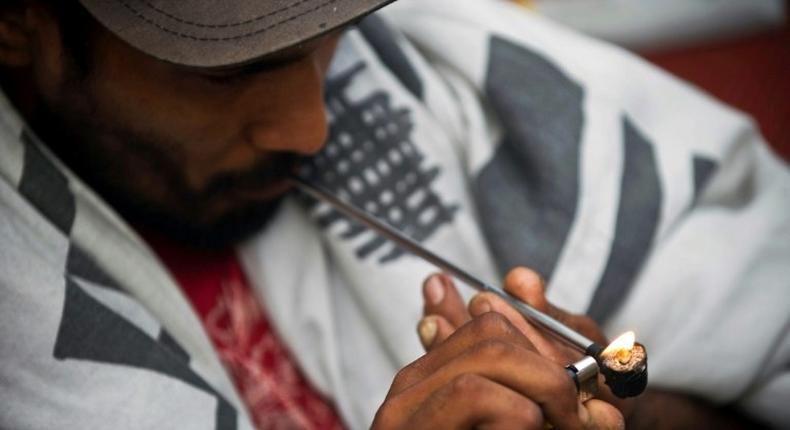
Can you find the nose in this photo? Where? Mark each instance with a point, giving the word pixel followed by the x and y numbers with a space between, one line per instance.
pixel 287 109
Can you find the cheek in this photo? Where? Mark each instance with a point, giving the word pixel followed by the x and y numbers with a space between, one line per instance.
pixel 155 99
pixel 168 108
pixel 196 130
pixel 212 128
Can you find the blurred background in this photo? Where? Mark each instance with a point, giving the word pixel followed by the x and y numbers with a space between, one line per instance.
pixel 736 50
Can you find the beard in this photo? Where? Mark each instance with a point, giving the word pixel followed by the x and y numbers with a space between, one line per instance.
pixel 121 165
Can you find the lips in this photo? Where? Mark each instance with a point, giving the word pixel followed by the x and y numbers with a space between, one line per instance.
pixel 268 179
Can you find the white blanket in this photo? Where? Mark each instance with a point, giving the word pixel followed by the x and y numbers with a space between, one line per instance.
pixel 645 202
pixel 494 138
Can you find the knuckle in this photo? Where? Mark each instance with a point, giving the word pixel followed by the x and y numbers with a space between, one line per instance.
pixel 386 416
pixel 532 416
pixel 401 375
pixel 405 375
pixel 493 350
pixel 466 384
pixel 493 324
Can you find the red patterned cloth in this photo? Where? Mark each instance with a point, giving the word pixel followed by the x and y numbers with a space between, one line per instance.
pixel 266 377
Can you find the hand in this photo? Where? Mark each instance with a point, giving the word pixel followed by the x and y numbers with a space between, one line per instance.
pixel 445 312
pixel 487 374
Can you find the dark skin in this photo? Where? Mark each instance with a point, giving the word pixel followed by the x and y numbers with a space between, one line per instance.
pixel 445 314
pixel 195 147
pixel 203 127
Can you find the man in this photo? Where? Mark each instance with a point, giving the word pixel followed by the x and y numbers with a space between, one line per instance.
pixel 183 120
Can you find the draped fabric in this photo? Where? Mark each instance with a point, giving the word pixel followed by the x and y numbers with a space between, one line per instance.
pixel 494 138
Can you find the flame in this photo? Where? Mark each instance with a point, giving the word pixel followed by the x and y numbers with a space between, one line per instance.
pixel 621 347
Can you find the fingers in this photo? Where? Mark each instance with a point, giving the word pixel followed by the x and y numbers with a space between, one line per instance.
pixel 521 370
pixel 491 326
pixel 490 346
pixel 487 302
pixel 432 330
pixel 601 415
pixel 472 401
pixel 444 311
pixel 494 371
pixel 442 298
pixel 529 287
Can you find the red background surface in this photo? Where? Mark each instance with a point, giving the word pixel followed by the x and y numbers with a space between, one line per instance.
pixel 751 73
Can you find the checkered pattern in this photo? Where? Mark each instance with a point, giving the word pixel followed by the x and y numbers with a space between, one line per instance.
pixel 371 162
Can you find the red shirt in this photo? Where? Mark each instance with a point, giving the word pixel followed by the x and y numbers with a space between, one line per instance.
pixel 267 378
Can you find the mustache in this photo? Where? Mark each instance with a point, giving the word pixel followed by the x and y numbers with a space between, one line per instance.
pixel 272 170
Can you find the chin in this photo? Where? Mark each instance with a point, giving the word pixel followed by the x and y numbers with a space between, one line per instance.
pixel 227 229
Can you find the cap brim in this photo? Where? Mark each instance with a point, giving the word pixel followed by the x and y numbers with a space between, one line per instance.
pixel 215 34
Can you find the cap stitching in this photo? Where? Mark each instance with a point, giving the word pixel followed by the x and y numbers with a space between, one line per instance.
pixel 235 24
pixel 222 39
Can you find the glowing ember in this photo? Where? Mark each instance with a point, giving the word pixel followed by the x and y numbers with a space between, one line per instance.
pixel 621 347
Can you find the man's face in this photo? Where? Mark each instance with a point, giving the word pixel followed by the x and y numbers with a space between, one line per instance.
pixel 201 155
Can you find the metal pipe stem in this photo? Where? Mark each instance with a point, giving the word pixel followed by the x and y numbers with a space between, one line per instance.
pixel 564 332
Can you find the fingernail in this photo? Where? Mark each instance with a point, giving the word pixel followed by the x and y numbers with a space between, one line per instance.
pixel 434 291
pixel 427 330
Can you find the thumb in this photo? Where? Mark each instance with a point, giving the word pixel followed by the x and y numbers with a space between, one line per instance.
pixel 528 286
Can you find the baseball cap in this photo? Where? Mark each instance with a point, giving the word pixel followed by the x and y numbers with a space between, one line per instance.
pixel 221 33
